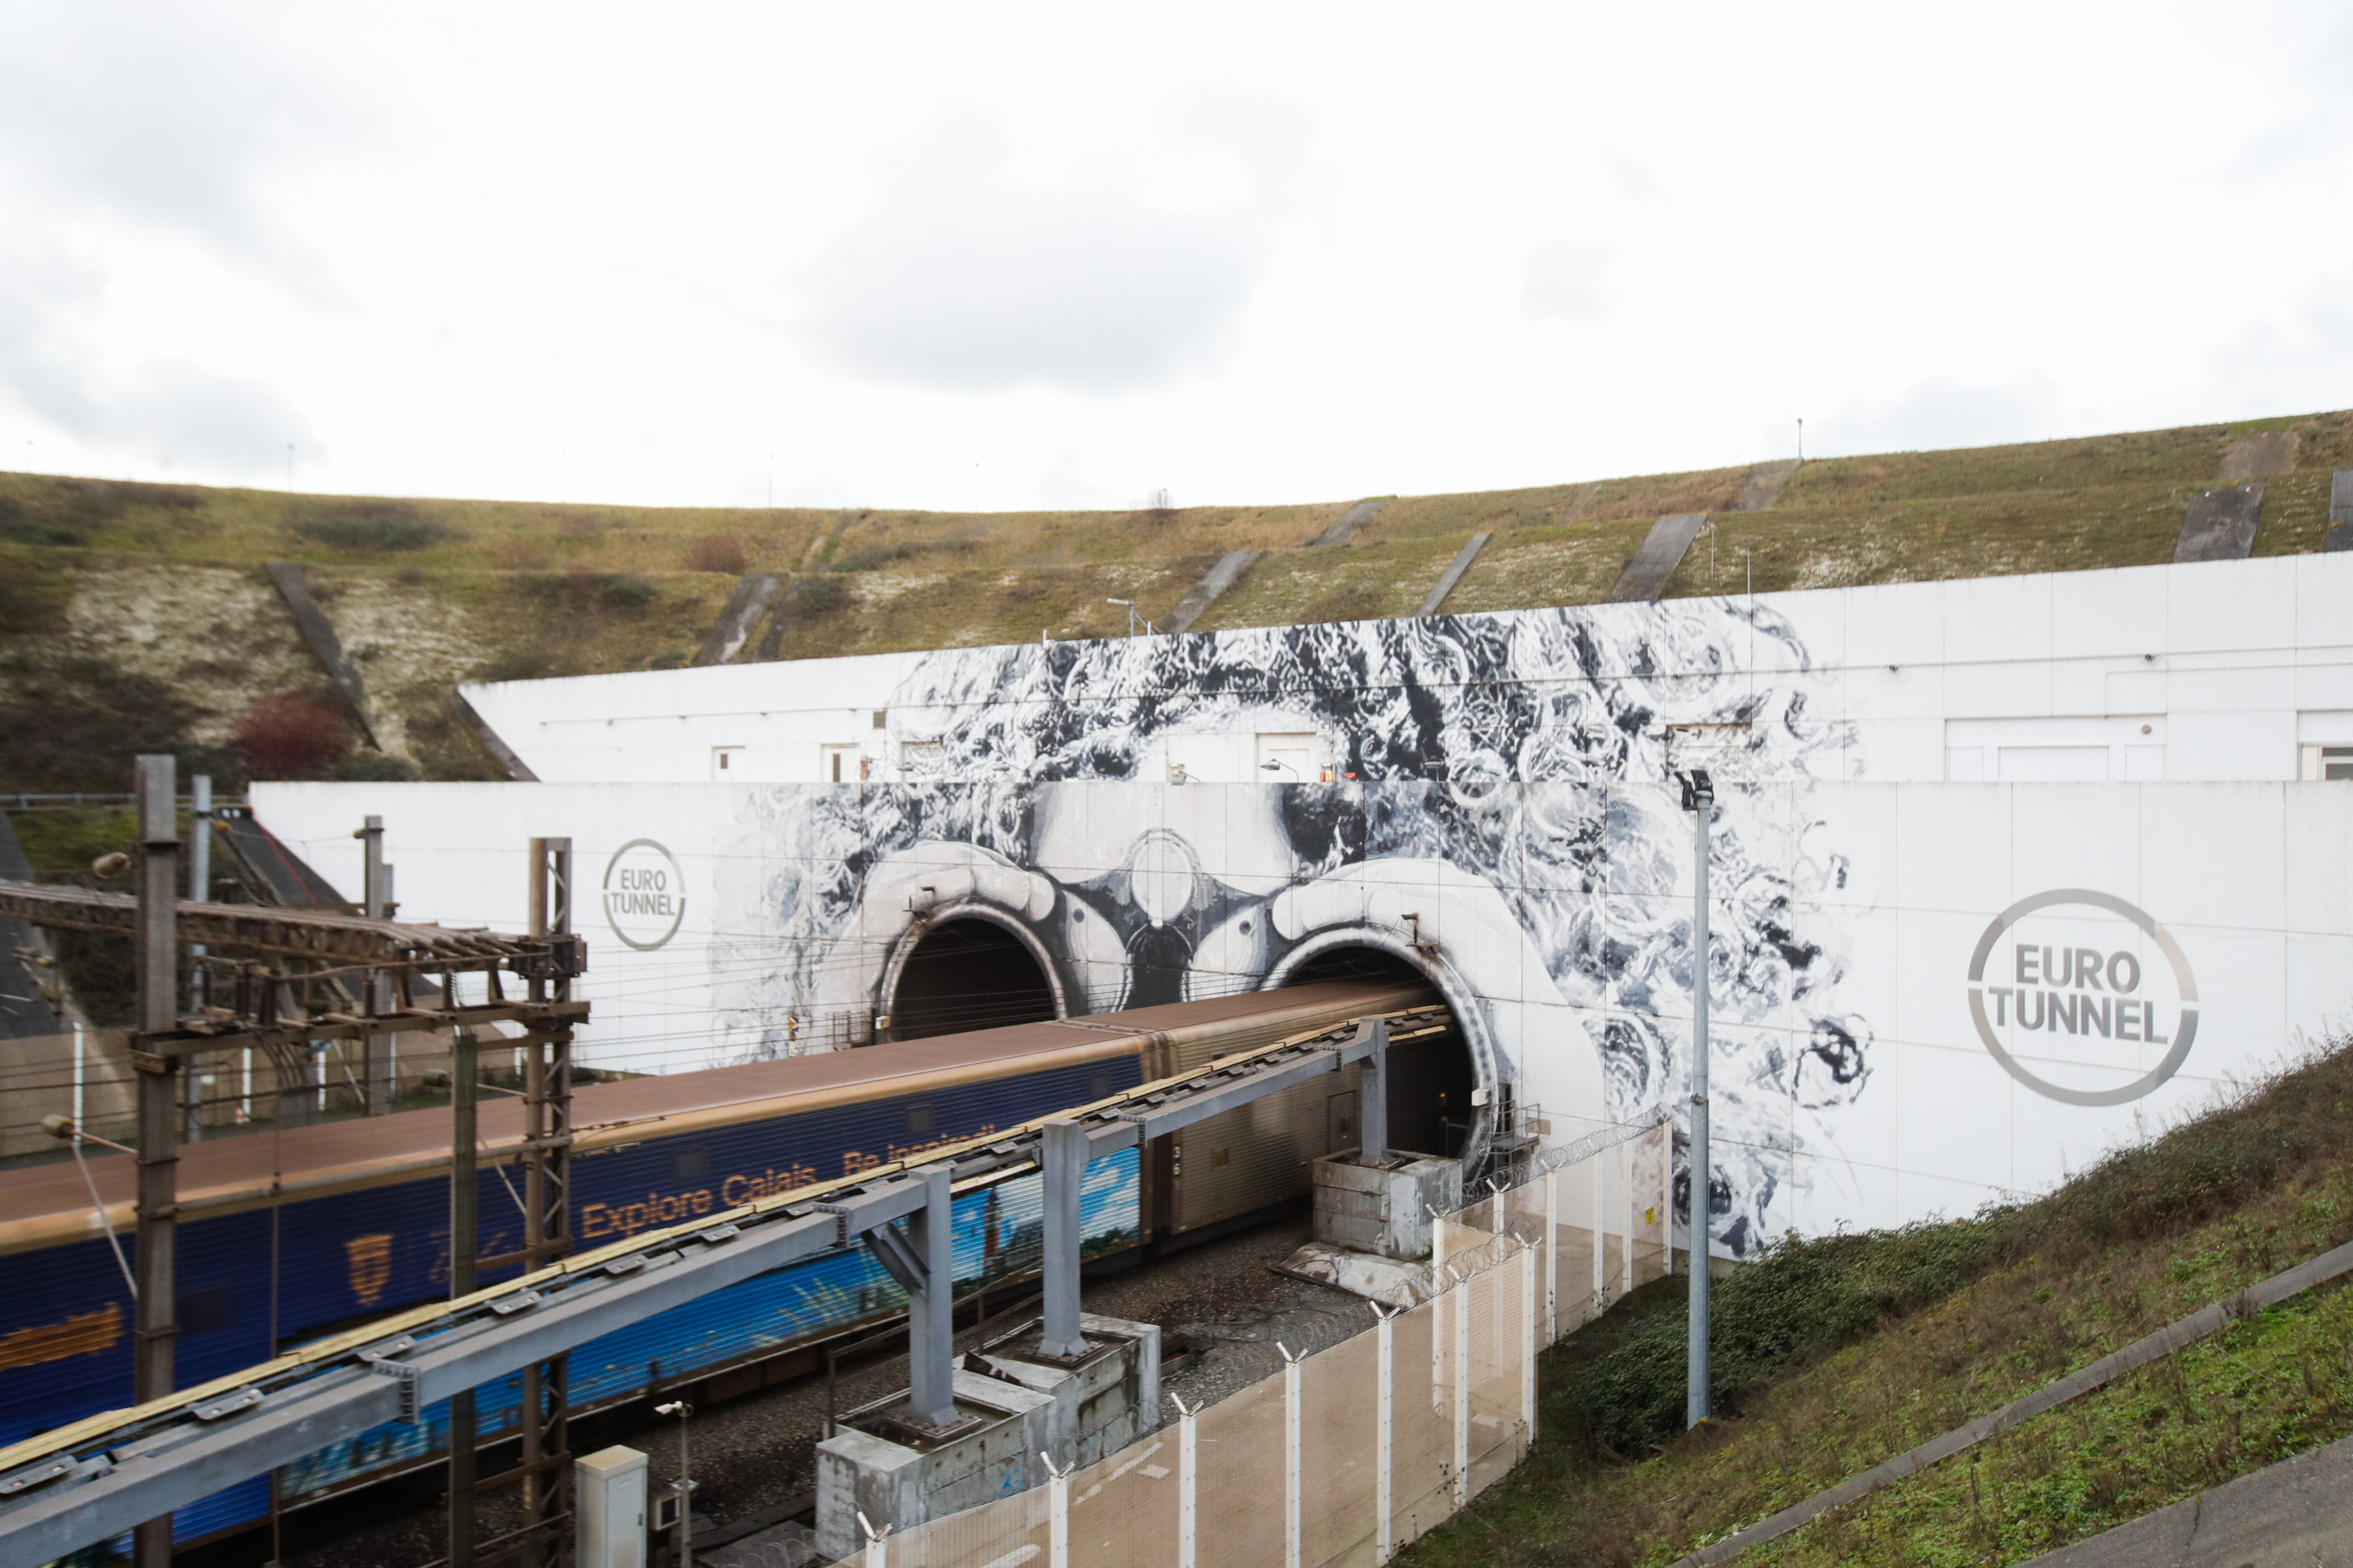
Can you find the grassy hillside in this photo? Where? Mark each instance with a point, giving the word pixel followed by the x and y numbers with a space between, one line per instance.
pixel 1836 1353
pixel 141 608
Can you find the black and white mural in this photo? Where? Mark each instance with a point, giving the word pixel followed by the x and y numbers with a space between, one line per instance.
pixel 1930 991
pixel 1493 816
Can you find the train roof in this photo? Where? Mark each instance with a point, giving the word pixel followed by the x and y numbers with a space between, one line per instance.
pixel 49 1205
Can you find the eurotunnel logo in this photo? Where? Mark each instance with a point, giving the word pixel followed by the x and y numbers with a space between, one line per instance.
pixel 370 1257
pixel 2087 985
pixel 645 895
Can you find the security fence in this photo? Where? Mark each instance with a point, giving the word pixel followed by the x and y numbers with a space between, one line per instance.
pixel 1346 1455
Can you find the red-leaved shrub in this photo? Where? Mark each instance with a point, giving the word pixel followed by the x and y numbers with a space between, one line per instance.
pixel 715 553
pixel 294 735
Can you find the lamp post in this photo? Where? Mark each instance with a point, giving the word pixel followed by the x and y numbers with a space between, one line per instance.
pixel 682 1409
pixel 1699 799
pixel 1132 616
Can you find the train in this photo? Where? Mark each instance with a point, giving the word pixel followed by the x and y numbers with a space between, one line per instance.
pixel 288 1234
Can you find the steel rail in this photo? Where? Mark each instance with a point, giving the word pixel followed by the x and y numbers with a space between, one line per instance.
pixel 96 1478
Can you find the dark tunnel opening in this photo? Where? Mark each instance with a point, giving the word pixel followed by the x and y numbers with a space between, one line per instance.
pixel 968 975
pixel 1430 1081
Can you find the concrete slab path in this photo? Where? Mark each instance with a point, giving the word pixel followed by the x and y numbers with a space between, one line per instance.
pixel 2297 1513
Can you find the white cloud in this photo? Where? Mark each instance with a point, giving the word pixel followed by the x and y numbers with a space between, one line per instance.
pixel 978 269
pixel 1568 278
pixel 165 411
pixel 171 120
pixel 1047 251
pixel 1939 412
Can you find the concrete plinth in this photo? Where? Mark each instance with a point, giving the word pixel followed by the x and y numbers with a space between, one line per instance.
pixel 1018 1408
pixel 1383 1209
pixel 1388 1281
pixel 1108 1397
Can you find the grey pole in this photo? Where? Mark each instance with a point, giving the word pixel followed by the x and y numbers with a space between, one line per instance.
pixel 1062 1155
pixel 375 1076
pixel 1699 798
pixel 200 882
pixel 683 1553
pixel 159 1118
pixel 1373 1099
pixel 464 1095
pixel 930 1325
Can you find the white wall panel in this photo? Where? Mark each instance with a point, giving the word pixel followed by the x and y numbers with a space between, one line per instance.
pixel 1856 1087
pixel 2110 615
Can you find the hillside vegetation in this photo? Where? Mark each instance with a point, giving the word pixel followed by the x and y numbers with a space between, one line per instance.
pixel 135 616
pixel 1835 1353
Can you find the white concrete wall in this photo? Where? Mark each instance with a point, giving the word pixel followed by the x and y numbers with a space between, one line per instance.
pixel 2230 670
pixel 1852 1082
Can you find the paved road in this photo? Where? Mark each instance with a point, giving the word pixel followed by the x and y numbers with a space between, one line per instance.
pixel 2297 1513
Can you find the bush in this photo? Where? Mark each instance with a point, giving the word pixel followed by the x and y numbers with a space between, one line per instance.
pixel 294 735
pixel 812 596
pixel 581 590
pixel 715 553
pixel 1798 1302
pixel 72 726
pixel 33 598
pixel 370 768
pixel 520 664
pixel 381 527
pixel 874 557
pixel 620 591
pixel 68 511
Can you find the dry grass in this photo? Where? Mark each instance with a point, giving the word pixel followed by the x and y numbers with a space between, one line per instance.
pixel 495 589
pixel 1353 582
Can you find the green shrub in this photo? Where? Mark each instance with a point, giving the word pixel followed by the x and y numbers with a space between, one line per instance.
pixel 874 557
pixel 73 725
pixel 1798 1302
pixel 621 591
pixel 811 597
pixel 33 596
pixel 68 510
pixel 520 664
pixel 379 529
pixel 369 767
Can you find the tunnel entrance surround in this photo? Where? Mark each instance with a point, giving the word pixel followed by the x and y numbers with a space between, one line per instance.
pixel 967 966
pixel 1471 1059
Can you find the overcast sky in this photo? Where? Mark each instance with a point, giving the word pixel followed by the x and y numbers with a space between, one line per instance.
pixel 1015 254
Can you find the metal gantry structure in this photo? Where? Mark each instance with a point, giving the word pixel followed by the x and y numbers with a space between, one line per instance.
pixel 93 1479
pixel 365 977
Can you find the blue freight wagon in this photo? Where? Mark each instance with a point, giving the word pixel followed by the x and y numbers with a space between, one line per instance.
pixel 290 1235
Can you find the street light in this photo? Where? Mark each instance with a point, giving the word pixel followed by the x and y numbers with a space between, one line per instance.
pixel 682 1409
pixel 1132 616
pixel 1699 799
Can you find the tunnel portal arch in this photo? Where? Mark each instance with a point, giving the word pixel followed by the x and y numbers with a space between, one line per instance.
pixel 967 967
pixel 1432 1085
